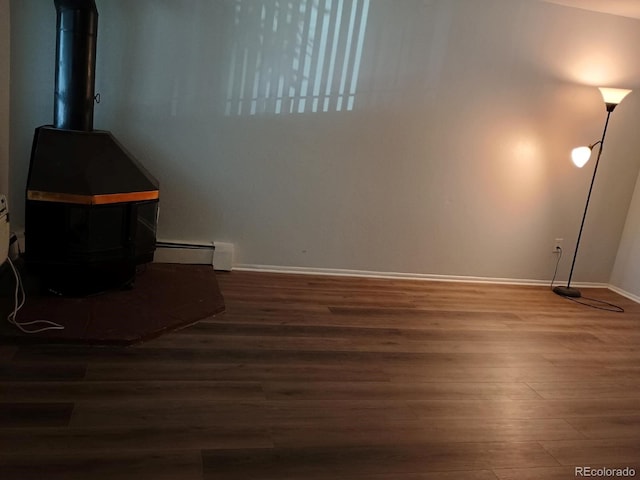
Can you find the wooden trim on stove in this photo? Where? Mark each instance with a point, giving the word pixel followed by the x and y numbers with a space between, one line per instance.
pixel 92 199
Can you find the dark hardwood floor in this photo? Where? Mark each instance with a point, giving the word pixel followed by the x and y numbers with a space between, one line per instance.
pixel 311 377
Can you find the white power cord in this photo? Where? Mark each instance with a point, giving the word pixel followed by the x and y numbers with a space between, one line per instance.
pixel 19 303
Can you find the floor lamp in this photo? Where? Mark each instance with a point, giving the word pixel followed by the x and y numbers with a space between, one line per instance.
pixel 580 156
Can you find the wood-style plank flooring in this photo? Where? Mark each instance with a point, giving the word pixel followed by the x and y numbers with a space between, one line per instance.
pixel 312 377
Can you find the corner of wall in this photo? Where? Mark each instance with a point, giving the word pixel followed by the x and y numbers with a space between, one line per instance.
pixel 5 62
pixel 625 276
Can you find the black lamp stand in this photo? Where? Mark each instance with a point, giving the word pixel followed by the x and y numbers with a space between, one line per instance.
pixel 570 291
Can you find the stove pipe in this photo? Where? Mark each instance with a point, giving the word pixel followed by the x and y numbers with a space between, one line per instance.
pixel 77 30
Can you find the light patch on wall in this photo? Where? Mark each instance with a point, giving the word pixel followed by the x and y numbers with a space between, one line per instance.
pixel 597 67
pixel 295 57
pixel 521 172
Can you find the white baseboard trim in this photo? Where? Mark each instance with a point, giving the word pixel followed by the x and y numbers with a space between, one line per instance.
pixel 404 276
pixel 624 293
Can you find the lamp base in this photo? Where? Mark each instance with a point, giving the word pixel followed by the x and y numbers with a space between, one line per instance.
pixel 567 291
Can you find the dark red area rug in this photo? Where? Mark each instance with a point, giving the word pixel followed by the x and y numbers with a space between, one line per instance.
pixel 164 297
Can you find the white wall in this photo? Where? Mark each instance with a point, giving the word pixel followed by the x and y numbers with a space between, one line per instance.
pixel 4 95
pixel 453 161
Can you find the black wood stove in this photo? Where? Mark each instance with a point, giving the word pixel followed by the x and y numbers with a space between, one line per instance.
pixel 91 208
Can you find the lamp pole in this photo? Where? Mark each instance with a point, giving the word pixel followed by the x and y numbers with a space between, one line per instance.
pixel 612 97
pixel 570 291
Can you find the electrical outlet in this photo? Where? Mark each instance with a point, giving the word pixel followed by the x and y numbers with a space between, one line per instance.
pixel 557 245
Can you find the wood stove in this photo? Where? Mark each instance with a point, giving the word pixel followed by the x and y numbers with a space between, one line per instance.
pixel 91 208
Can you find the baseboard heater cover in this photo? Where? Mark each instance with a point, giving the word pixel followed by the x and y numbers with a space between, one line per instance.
pixel 218 254
pixel 184 253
